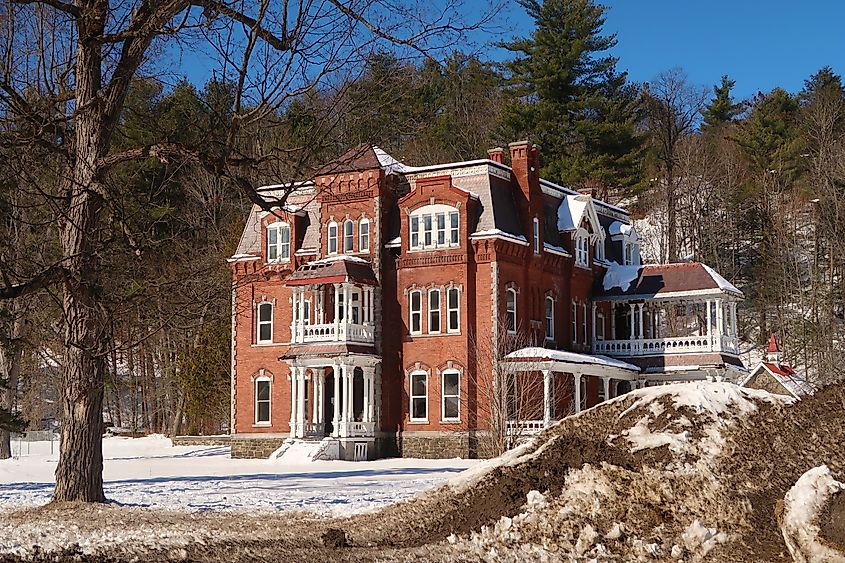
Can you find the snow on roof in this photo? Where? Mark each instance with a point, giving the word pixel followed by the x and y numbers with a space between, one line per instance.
pixel 619 276
pixel 571 212
pixel 555 249
pixel 388 163
pixel 339 257
pixel 498 233
pixel 536 352
pixel 620 228
pixel 723 284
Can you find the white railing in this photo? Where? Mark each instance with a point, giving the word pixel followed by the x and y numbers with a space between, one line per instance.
pixel 331 332
pixel 524 427
pixel 314 429
pixel 661 346
pixel 358 429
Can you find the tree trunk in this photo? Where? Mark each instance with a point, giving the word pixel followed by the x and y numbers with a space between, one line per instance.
pixel 10 367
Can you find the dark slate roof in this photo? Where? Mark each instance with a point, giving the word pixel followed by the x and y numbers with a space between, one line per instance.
pixel 655 280
pixel 329 349
pixel 335 269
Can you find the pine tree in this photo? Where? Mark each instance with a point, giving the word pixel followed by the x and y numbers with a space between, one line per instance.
pixel 722 108
pixel 570 98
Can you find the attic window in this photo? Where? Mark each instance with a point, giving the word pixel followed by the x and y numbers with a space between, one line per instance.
pixel 278 242
pixel 582 248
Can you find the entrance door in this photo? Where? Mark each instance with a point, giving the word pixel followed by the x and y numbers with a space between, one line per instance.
pixel 328 404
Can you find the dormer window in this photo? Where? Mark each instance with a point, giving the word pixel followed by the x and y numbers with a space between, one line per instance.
pixel 332 238
pixel 278 242
pixel 632 255
pixel 598 252
pixel 434 226
pixel 582 248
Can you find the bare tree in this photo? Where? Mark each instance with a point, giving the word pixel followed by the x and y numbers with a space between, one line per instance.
pixel 673 109
pixel 65 74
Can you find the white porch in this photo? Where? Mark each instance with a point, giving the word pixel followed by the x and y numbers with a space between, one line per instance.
pixel 552 364
pixel 656 327
pixel 337 312
pixel 337 397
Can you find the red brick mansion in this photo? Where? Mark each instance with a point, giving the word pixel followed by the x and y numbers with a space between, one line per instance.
pixel 379 311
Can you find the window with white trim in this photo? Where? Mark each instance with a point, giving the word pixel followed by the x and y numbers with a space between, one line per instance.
pixel 450 396
pixel 434 311
pixel 598 249
pixel 332 238
pixel 582 248
pixel 262 400
pixel 453 309
pixel 418 393
pixel 265 323
pixel 306 312
pixel 364 235
pixel 510 309
pixel 574 314
pixel 632 255
pixel 536 236
pixel 278 242
pixel 415 299
pixel 550 318
pixel 584 322
pixel 348 236
pixel 600 326
pixel 434 226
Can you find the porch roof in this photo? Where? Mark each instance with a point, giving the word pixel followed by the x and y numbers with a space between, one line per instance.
pixel 682 280
pixel 538 359
pixel 334 269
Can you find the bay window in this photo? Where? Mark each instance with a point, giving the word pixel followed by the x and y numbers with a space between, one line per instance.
pixel 434 226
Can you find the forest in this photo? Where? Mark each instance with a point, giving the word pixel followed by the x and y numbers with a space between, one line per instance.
pixel 753 187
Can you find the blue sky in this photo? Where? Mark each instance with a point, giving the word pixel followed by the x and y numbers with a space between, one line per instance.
pixel 759 43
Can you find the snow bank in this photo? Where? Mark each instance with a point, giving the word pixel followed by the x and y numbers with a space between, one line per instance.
pixel 803 504
pixel 619 276
pixel 535 352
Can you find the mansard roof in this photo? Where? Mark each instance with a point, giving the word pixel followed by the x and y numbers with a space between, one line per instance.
pixel 662 280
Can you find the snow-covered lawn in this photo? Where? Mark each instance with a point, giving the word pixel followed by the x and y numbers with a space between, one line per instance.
pixel 151 472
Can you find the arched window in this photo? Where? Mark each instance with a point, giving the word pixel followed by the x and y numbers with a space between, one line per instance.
pixel 510 308
pixel 418 394
pixel 453 309
pixel 434 226
pixel 536 236
pixel 450 391
pixel 582 248
pixel 434 311
pixel 574 322
pixel 415 299
pixel 278 242
pixel 348 235
pixel 265 323
pixel 332 238
pixel 364 235
pixel 262 400
pixel 550 318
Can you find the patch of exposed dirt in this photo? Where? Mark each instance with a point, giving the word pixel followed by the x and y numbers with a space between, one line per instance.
pixel 832 522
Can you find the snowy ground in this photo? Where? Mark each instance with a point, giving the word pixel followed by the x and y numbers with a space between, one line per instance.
pixel 149 472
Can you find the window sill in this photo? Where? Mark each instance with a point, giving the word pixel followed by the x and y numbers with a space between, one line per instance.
pixel 417 421
pixel 432 248
pixel 262 425
pixel 413 335
pixel 450 421
pixel 582 266
pixel 267 344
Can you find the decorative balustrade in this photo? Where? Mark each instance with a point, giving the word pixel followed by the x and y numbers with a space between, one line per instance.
pixel 331 332
pixel 524 427
pixel 659 346
pixel 359 429
pixel 314 429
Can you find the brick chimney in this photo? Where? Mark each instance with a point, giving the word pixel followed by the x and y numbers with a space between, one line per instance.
pixel 497 155
pixel 525 164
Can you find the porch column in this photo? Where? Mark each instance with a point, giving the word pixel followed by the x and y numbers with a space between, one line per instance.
pixel 631 305
pixel 347 393
pixel 371 305
pixel 301 324
pixel 577 381
pixel 593 341
pixel 641 333
pixel 369 395
pixel 734 328
pixel 347 304
pixel 336 413
pixel 293 327
pixel 720 317
pixel 316 377
pixel 709 330
pixel 606 382
pixel 548 405
pixel 293 402
pixel 336 319
pixel 613 321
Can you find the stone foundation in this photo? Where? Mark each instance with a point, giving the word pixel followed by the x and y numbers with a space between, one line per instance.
pixel 436 445
pixel 255 448
pixel 201 440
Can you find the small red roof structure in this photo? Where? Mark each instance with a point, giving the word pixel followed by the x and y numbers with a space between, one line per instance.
pixel 773 345
pixel 335 269
pixel 773 375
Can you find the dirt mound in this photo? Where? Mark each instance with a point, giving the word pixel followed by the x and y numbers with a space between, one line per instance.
pixel 832 523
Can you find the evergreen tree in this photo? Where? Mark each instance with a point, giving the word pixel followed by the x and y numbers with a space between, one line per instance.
pixel 570 97
pixel 722 108
pixel 823 83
